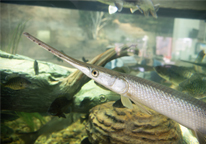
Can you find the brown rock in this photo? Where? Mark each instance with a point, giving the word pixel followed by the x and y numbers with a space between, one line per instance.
pixel 112 125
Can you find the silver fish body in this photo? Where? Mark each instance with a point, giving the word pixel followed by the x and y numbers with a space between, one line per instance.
pixel 180 107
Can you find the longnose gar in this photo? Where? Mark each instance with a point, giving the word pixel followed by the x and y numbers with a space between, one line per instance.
pixel 180 107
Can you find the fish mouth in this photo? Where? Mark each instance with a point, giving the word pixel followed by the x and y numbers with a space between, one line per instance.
pixel 84 67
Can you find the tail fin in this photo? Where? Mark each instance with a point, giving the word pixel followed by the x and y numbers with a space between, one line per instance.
pixel 28 138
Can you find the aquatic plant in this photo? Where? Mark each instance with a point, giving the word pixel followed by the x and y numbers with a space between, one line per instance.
pixel 28 118
pixel 16 36
pixel 92 22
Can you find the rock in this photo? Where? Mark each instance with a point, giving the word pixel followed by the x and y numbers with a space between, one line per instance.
pixel 188 137
pixel 39 93
pixel 111 125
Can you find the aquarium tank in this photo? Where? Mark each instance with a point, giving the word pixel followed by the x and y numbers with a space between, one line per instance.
pixel 103 71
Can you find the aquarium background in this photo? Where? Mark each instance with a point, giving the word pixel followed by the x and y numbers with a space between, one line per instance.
pixel 87 33
pixel 90 32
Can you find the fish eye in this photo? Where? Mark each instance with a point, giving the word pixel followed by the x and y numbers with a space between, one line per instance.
pixel 95 73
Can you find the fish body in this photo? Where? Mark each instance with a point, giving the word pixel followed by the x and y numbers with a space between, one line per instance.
pixel 101 86
pixel 175 74
pixel 17 83
pixel 173 104
pixel 144 6
pixel 59 106
pixel 36 67
pixel 118 69
pixel 178 106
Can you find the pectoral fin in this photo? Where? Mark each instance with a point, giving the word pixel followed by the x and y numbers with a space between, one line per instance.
pixel 201 137
pixel 126 102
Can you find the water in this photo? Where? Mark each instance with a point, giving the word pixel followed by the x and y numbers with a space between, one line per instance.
pixel 87 33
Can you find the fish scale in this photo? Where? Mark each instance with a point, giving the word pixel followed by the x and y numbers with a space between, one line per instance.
pixel 184 109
